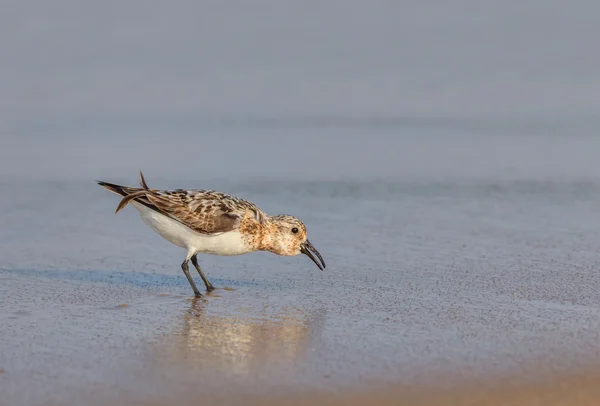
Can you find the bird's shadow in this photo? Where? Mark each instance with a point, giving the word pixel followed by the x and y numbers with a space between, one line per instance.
pixel 114 277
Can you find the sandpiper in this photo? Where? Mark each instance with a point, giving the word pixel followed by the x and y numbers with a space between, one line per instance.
pixel 206 221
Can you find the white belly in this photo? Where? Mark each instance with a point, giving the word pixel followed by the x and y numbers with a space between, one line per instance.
pixel 229 243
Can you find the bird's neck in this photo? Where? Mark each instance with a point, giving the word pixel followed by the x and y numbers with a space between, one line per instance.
pixel 269 237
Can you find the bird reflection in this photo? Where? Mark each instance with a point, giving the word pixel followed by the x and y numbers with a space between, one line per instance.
pixel 241 342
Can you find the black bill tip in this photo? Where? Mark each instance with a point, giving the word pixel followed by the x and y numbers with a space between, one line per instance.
pixel 307 249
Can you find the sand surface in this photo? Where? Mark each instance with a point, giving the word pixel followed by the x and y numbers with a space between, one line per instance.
pixel 577 389
pixel 462 281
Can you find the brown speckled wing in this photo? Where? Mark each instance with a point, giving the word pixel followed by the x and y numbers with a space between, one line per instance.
pixel 204 211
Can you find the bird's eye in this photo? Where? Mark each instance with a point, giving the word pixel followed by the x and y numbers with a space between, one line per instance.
pixel 294 230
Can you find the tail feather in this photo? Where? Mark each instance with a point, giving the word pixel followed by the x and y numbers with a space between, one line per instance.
pixel 143 183
pixel 117 189
pixel 129 193
pixel 129 198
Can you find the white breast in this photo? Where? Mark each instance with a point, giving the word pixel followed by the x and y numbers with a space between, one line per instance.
pixel 228 243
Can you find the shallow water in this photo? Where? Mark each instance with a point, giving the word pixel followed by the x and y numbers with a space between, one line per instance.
pixel 462 277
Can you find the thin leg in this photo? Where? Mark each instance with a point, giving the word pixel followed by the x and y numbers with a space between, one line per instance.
pixel 209 286
pixel 186 271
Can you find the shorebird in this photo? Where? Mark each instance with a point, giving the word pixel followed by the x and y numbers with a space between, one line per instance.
pixel 210 222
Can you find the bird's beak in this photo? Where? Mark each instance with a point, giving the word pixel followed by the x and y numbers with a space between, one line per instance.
pixel 307 249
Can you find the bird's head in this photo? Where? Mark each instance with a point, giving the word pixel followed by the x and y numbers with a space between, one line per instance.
pixel 286 235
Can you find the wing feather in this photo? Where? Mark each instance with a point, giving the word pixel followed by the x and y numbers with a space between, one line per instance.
pixel 204 211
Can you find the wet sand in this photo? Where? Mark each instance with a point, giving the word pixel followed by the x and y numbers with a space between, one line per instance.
pixel 577 389
pixel 480 288
pixel 120 344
